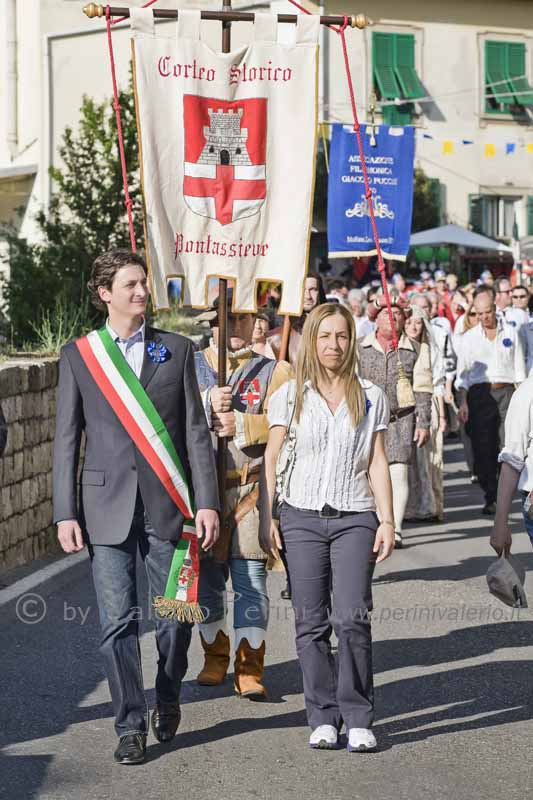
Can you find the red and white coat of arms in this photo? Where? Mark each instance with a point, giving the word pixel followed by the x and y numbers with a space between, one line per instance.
pixel 249 392
pixel 225 157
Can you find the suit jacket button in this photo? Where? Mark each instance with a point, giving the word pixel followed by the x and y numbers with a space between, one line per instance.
pixel 134 469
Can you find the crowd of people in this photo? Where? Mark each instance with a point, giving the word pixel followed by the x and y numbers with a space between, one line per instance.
pixel 330 449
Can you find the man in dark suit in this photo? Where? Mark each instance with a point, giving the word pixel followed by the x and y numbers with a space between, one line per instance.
pixel 123 506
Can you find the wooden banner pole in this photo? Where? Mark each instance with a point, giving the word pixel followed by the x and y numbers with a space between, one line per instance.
pixel 222 448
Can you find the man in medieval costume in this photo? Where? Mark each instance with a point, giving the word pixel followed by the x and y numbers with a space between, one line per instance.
pixel 237 411
pixel 409 423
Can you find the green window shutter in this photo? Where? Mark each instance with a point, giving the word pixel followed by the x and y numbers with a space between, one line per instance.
pixel 530 216
pixel 405 66
pixel 436 193
pixel 516 69
pixel 476 203
pixel 496 82
pixel 397 115
pixel 383 65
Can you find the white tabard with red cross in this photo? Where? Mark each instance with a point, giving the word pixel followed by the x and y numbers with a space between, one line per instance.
pixel 228 146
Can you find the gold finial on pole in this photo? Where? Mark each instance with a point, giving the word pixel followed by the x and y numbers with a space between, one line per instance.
pixel 360 21
pixel 92 11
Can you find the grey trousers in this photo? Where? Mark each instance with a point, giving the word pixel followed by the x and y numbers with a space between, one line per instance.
pixel 337 553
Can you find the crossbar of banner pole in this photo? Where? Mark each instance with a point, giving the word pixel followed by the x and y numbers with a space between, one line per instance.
pixel 355 21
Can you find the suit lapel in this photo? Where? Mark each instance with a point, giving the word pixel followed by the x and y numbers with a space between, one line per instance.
pixel 149 367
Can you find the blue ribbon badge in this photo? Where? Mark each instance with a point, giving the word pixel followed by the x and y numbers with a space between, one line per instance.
pixel 507 342
pixel 157 352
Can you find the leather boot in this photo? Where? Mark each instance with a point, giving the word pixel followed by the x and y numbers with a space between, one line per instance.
pixel 249 664
pixel 216 661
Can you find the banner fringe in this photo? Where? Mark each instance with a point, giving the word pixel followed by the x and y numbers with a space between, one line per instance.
pixel 178 610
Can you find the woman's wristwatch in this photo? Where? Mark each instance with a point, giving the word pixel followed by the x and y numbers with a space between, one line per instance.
pixel 387 522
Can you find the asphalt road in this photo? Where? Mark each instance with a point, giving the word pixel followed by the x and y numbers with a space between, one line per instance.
pixel 453 674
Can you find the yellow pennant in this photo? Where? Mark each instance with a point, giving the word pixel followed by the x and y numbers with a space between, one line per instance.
pixel 447 147
pixel 529 147
pixel 490 150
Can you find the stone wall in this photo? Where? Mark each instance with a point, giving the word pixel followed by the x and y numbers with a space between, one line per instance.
pixel 27 395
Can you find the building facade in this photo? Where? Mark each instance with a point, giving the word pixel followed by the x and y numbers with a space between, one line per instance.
pixel 462 73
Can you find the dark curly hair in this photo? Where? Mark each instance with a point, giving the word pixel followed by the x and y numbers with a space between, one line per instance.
pixel 104 269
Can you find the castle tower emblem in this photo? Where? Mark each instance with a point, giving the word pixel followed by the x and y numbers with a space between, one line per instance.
pixel 225 140
pixel 227 180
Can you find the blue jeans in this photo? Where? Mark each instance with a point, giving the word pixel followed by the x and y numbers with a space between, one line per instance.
pixel 248 577
pixel 114 575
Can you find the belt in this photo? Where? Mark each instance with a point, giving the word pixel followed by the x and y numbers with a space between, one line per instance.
pixel 242 477
pixel 401 412
pixel 493 385
pixel 327 512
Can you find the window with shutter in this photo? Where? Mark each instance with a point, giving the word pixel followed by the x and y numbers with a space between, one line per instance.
pixel 398 115
pixel 516 71
pixel 405 66
pixel 394 74
pixel 383 66
pixel 506 84
pixel 496 84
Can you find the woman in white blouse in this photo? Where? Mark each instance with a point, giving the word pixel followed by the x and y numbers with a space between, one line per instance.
pixel 336 475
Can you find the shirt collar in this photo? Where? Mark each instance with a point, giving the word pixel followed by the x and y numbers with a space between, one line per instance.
pixel 371 340
pixel 138 336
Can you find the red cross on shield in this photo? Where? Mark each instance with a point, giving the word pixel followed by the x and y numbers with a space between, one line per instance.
pixel 249 392
pixel 225 157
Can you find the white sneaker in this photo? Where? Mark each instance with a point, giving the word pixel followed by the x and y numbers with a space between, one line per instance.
pixel 324 738
pixel 361 740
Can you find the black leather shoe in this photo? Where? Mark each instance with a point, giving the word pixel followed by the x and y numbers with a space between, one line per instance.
pixel 165 720
pixel 489 509
pixel 131 749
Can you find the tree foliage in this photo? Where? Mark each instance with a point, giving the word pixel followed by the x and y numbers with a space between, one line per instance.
pixel 426 202
pixel 86 216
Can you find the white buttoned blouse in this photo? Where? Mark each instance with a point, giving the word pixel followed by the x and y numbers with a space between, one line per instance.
pixel 331 457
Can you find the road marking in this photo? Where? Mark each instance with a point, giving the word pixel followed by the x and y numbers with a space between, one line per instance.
pixel 31 581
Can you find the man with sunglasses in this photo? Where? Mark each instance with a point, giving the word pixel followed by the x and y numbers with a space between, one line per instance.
pixel 512 315
pixel 520 298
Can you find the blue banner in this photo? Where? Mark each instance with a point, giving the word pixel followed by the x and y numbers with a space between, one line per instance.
pixel 390 165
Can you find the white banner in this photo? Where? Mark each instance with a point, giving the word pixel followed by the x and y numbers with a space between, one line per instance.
pixel 228 145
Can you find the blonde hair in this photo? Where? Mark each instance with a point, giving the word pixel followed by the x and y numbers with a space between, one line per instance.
pixel 470 322
pixel 309 368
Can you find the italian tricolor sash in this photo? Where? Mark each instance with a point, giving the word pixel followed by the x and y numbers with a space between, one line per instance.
pixel 136 412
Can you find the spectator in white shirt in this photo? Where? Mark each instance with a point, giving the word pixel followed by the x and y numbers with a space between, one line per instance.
pixel 358 303
pixel 490 362
pixel 516 461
